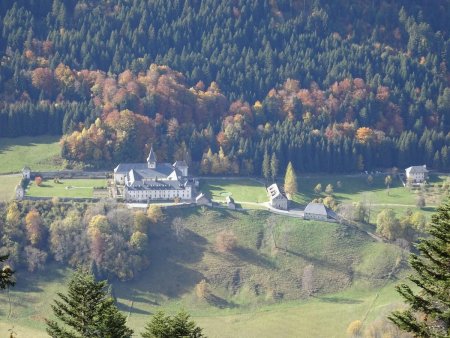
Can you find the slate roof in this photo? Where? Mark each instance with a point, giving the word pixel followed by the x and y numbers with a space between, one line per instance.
pixel 179 164
pixel 319 209
pixel 201 196
pixel 151 156
pixel 161 170
pixel 165 176
pixel 159 185
pixel 175 174
pixel 274 191
pixel 416 169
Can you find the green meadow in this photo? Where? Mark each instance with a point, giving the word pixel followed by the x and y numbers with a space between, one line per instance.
pixel 357 188
pixel 76 188
pixel 256 290
pixel 242 190
pixel 39 153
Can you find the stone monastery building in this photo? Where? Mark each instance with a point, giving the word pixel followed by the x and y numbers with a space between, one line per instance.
pixel 143 182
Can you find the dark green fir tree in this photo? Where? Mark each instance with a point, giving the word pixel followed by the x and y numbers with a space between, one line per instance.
pixel 87 311
pixel 428 314
pixel 178 326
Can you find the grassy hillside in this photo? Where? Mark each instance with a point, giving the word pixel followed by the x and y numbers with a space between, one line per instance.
pixel 321 317
pixel 256 290
pixel 41 152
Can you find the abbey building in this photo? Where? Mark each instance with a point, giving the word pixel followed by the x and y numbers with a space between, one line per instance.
pixel 144 182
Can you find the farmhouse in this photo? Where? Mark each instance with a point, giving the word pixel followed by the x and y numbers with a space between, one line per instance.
pixel 320 212
pixel 416 174
pixel 153 180
pixel 277 199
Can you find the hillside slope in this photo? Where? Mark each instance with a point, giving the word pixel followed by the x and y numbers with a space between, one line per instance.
pixel 256 275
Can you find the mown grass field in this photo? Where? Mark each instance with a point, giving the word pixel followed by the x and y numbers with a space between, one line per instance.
pixel 39 153
pixel 7 187
pixel 256 289
pixel 77 188
pixel 357 188
pixel 242 190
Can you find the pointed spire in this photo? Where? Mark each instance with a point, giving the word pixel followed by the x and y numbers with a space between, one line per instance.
pixel 151 159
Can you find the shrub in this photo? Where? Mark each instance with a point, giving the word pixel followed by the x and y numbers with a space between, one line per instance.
pixel 226 241
pixel 202 289
pixel 38 180
pixel 354 329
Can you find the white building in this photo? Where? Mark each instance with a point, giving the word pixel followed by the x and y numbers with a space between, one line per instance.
pixel 26 173
pixel 153 180
pixel 277 199
pixel 320 212
pixel 416 174
pixel 20 192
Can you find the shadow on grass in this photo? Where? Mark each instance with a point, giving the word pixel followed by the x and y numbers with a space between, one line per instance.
pixel 8 143
pixel 44 185
pixel 342 268
pixel 169 273
pixel 219 302
pixel 131 309
pixel 224 212
pixel 30 282
pixel 340 300
pixel 252 257
pixel 296 205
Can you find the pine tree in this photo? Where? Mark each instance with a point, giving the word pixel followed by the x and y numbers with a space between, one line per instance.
pixel 290 181
pixel 87 311
pixel 6 274
pixel 266 165
pixel 178 326
pixel 428 314
pixel 274 164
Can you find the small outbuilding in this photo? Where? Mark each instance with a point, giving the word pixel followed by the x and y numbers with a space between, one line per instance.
pixel 26 173
pixel 20 192
pixel 203 200
pixel 230 203
pixel 277 199
pixel 416 174
pixel 318 211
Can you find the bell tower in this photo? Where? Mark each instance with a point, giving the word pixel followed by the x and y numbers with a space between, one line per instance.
pixel 151 159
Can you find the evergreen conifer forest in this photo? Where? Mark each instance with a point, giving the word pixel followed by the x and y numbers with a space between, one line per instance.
pixel 331 86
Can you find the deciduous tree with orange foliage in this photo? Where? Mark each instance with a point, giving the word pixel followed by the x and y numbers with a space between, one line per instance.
pixel 33 223
pixel 364 135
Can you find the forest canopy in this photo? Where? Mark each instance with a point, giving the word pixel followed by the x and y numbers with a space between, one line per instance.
pixel 331 86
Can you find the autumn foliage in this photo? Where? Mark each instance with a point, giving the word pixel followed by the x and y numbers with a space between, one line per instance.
pixel 38 180
pixel 226 241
